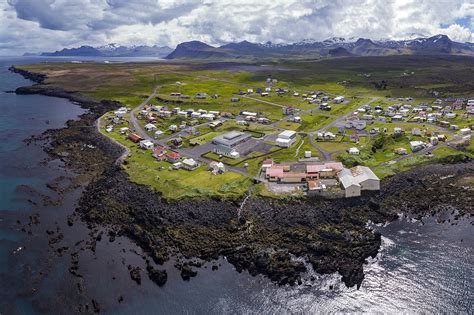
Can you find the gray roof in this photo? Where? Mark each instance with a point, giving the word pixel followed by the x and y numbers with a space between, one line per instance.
pixel 231 139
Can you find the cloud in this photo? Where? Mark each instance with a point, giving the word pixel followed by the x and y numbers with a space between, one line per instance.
pixel 40 25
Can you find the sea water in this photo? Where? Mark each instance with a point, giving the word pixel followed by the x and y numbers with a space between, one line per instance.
pixel 420 268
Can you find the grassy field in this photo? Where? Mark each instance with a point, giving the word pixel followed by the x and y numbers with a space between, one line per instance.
pixel 355 78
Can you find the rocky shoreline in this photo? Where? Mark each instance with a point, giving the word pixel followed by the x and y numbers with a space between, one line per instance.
pixel 280 239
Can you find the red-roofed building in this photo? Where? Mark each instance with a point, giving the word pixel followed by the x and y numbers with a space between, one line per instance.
pixel 296 172
pixel 134 137
pixel 173 157
pixel 159 153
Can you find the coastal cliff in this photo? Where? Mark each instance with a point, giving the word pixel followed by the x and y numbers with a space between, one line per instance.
pixel 278 238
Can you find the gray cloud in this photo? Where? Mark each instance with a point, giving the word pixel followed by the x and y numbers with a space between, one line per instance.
pixel 39 25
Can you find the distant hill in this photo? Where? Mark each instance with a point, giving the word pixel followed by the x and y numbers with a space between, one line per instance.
pixel 334 47
pixel 111 50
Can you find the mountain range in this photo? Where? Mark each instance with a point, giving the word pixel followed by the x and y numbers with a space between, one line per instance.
pixel 334 47
pixel 111 50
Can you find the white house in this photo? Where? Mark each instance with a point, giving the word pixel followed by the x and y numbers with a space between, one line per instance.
pixel 190 164
pixel 417 145
pixel 353 151
pixel 338 99
pixel 286 138
pixel 208 116
pixel 146 144
pixel 124 130
pixel 465 131
pixel 150 127
pixel 158 133
pixel 244 113
pixel 173 127
pixel 196 115
pixel 182 113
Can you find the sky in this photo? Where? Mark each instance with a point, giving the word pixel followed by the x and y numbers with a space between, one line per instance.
pixel 49 25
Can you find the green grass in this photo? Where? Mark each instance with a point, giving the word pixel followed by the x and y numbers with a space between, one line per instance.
pixel 131 83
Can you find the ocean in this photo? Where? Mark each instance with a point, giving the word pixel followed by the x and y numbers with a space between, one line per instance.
pixel 422 267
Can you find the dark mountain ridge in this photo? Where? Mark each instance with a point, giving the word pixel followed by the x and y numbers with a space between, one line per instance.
pixel 111 50
pixel 337 46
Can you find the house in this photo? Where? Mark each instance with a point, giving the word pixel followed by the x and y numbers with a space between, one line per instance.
pixel 173 157
pixel 465 131
pixel 416 132
pixel 173 127
pixel 176 142
pixel 297 119
pixel 201 95
pixel 124 130
pixel 401 151
pixel 159 153
pixel 288 110
pixel 353 151
pixel 354 137
pixel 190 164
pixel 249 91
pixel 158 134
pixel 217 167
pixel 235 99
pixel 146 144
pixel 374 130
pixel 338 99
pixel 397 131
pixel 264 120
pixel 245 113
pixel 208 116
pixel 215 124
pixel 165 114
pixel 357 179
pixel 182 113
pixel 175 94
pixel 417 145
pixel 196 115
pixel 450 115
pixel 360 125
pixel 307 154
pixel 434 140
pixel 286 138
pixel 226 151
pixel 134 137
pixel 325 136
pixel 177 165
pixel 150 127
pixel 315 187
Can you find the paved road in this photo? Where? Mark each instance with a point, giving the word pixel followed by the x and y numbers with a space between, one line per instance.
pixel 162 142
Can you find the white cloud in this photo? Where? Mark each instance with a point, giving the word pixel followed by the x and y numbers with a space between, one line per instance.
pixel 39 25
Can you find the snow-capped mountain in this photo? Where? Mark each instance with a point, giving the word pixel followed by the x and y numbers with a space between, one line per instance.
pixel 113 50
pixel 336 46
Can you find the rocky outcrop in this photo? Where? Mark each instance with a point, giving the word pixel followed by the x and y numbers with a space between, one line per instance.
pixel 277 238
